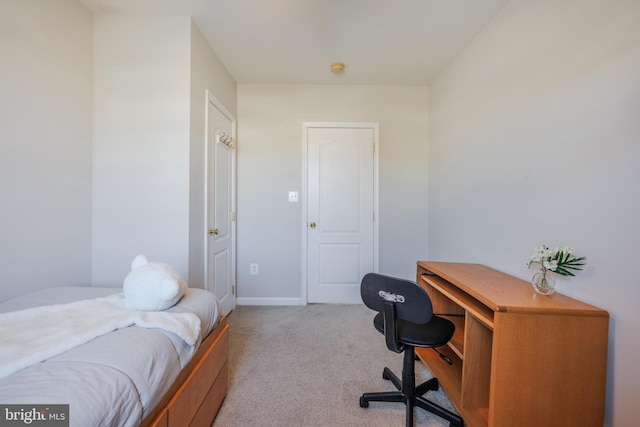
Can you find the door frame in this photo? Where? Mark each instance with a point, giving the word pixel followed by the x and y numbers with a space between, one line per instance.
pixel 305 220
pixel 212 100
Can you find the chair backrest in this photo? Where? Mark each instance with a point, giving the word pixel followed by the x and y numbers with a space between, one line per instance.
pixel 411 302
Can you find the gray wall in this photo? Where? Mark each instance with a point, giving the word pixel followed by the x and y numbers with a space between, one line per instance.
pixel 150 84
pixel 101 129
pixel 534 139
pixel 140 143
pixel 270 164
pixel 45 145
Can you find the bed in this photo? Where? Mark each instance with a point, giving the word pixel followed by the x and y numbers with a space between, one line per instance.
pixel 133 376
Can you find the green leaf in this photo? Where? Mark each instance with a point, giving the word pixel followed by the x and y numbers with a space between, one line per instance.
pixel 561 271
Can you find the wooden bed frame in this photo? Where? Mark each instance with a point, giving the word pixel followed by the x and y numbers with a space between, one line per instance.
pixel 197 393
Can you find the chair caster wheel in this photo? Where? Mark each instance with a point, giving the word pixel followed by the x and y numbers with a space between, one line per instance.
pixel 363 403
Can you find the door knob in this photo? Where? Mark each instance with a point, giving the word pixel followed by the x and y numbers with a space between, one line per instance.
pixel 213 231
pixel 313 225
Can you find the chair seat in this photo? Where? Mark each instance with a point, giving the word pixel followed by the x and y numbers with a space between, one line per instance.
pixel 436 333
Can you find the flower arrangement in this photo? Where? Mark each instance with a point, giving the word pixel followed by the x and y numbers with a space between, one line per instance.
pixel 560 261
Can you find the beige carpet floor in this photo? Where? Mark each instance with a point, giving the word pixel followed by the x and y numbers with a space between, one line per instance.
pixel 308 365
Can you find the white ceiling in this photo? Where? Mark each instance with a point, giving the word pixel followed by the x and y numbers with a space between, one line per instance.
pixel 395 42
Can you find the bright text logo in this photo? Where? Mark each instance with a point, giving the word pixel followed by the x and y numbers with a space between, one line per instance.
pixel 34 415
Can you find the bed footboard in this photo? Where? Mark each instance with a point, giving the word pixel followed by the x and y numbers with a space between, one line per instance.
pixel 198 392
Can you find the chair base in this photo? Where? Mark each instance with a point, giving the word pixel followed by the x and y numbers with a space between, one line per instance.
pixel 409 394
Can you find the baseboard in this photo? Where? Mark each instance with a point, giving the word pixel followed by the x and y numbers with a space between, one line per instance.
pixel 270 301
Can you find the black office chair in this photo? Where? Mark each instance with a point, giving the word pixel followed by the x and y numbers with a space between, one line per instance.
pixel 406 319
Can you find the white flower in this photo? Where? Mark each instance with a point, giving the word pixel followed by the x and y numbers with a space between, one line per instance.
pixel 560 261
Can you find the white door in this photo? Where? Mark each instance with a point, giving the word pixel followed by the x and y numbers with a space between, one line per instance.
pixel 220 249
pixel 341 207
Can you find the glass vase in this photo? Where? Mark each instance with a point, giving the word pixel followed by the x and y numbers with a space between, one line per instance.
pixel 543 283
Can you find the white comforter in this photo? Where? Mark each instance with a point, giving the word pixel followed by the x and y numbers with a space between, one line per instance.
pixel 30 336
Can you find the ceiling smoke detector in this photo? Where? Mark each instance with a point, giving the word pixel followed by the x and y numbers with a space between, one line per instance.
pixel 337 68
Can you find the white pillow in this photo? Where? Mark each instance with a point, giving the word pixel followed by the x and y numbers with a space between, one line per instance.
pixel 152 286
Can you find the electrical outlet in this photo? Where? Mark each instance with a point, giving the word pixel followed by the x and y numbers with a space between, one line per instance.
pixel 293 196
pixel 253 269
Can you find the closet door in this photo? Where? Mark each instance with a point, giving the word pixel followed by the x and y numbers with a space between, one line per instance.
pixel 220 247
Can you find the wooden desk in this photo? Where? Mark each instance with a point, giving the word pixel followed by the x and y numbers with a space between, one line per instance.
pixel 519 358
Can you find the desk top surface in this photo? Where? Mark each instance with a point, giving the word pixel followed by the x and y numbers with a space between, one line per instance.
pixel 502 292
